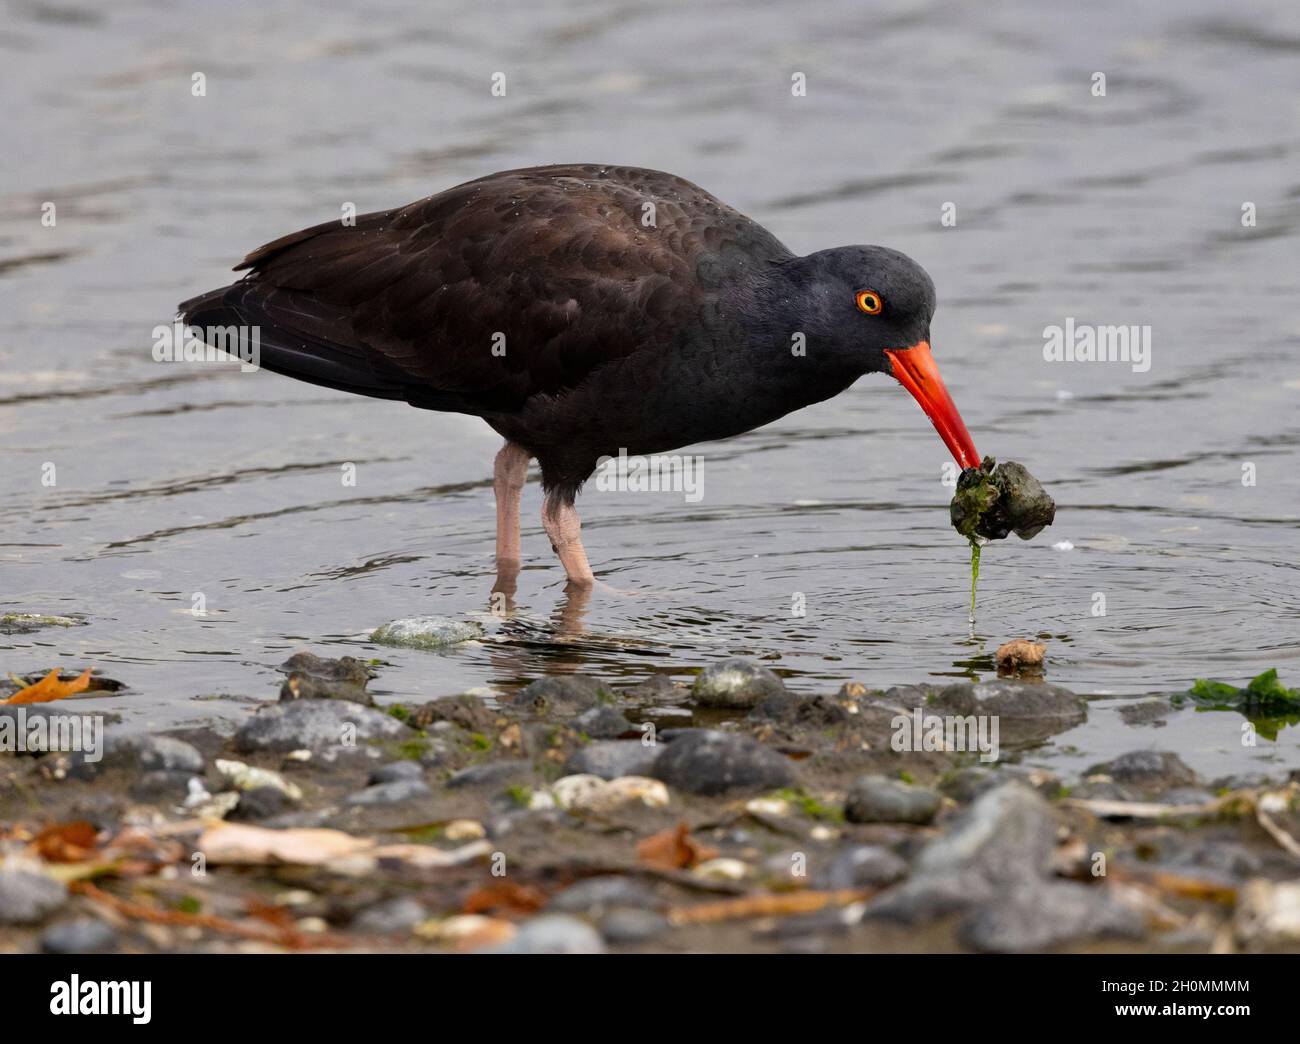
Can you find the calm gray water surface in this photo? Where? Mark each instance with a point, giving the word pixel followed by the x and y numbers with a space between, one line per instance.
pixel 174 480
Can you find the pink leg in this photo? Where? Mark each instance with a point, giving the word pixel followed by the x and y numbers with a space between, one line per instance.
pixel 563 526
pixel 508 474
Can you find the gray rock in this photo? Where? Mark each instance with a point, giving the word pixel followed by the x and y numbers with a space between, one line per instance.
pixel 344 669
pixel 864 866
pixel 1028 712
pixel 812 711
pixel 877 799
pixel 566 694
pixel 27 896
pixel 1147 768
pixel 261 803
pixel 492 773
pixel 627 926
pixel 395 770
pixel 602 722
pixel 554 933
pixel 160 785
pixel 317 725
pixel 715 762
pixel 466 710
pixel 138 752
pixel 1045 914
pixel 735 683
pixel 966 784
pixel 995 868
pixel 1002 841
pixel 390 793
pixel 78 935
pixel 595 895
pixel 657 689
pixel 390 917
pixel 426 632
pixel 610 759
pixel 1146 712
pixel 307 687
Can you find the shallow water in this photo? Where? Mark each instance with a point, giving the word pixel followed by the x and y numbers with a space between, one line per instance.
pixel 175 480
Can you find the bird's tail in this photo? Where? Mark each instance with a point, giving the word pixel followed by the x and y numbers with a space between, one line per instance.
pixel 244 320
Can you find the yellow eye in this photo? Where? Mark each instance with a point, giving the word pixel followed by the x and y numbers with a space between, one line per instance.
pixel 869 301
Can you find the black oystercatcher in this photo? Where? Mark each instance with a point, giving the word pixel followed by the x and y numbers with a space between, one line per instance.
pixel 580 311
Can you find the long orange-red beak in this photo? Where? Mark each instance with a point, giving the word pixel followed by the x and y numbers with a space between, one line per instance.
pixel 916 371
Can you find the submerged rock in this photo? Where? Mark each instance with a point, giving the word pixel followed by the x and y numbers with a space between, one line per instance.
pixel 306 687
pixel 344 669
pixel 877 799
pixel 736 684
pixel 317 725
pixel 1147 768
pixel 426 632
pixel 565 695
pixel 706 762
pixel 1026 712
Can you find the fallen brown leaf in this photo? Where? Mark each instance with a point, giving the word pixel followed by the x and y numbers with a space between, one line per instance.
pixel 50 688
pixel 504 897
pixel 66 842
pixel 674 849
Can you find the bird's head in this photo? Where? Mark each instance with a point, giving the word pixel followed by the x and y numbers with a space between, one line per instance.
pixel 873 306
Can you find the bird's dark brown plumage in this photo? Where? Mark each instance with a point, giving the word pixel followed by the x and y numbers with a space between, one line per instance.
pixel 604 281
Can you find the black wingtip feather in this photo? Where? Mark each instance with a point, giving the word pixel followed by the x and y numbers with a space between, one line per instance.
pixel 295 353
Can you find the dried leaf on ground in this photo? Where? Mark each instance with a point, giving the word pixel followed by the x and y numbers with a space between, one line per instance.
pixel 72 842
pixel 674 849
pixel 504 897
pixel 51 688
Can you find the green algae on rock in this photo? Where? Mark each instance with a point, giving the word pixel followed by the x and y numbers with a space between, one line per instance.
pixel 1265 702
pixel 994 500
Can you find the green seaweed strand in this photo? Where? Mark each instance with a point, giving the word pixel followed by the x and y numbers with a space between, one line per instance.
pixel 974 575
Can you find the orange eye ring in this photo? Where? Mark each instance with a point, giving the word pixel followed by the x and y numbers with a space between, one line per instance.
pixel 869 301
